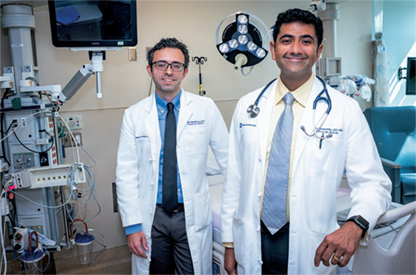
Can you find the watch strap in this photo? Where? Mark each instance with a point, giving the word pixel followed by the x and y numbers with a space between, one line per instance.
pixel 361 222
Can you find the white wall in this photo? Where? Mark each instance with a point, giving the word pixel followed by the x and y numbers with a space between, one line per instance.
pixel 354 41
pixel 124 83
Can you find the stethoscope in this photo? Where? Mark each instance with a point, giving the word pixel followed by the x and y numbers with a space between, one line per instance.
pixel 254 110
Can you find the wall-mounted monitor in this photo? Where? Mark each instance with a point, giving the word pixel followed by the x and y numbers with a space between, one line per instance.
pixel 93 23
pixel 411 76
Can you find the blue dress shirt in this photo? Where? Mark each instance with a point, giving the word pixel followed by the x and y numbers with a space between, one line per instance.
pixel 161 105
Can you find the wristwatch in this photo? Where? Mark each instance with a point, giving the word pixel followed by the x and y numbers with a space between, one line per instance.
pixel 361 222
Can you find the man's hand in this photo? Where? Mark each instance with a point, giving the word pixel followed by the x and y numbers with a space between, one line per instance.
pixel 338 247
pixel 230 264
pixel 136 242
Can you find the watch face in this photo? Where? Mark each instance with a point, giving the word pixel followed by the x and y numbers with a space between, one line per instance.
pixel 362 221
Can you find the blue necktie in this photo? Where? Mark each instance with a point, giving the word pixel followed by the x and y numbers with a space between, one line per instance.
pixel 274 211
pixel 170 176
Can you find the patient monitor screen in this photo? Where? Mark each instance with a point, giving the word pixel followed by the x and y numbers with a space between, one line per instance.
pixel 93 23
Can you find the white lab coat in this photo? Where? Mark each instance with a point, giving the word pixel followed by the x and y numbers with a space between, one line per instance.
pixel 315 177
pixel 200 124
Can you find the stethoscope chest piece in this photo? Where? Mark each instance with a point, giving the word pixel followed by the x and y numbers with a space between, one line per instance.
pixel 253 110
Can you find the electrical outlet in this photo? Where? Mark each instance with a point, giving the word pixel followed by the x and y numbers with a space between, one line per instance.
pixel 74 122
pixel 132 54
pixel 66 141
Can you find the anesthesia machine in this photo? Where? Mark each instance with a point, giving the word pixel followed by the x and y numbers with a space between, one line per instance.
pixel 44 196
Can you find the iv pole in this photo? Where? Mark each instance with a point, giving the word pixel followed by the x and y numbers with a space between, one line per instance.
pixel 200 61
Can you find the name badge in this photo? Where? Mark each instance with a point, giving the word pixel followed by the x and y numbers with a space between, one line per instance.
pixel 195 122
pixel 247 125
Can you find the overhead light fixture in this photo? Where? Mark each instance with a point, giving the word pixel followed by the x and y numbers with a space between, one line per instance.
pixel 243 41
pixel 224 48
pixel 233 43
pixel 242 19
pixel 242 29
pixel 251 46
pixel 261 53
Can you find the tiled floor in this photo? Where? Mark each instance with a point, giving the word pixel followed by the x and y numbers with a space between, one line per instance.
pixel 112 261
pixel 115 268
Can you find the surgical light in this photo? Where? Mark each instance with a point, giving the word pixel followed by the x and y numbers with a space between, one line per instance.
pixel 242 19
pixel 243 40
pixel 233 43
pixel 261 53
pixel 251 46
pixel 224 48
pixel 242 29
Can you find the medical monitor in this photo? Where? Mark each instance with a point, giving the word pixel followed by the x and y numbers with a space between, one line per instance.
pixel 411 76
pixel 93 23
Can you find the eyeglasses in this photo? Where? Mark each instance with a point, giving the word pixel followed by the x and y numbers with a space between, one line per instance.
pixel 163 65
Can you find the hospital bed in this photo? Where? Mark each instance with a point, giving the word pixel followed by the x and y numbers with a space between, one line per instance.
pixel 398 257
pixel 391 246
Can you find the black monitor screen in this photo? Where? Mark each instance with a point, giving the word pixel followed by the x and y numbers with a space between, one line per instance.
pixel 411 76
pixel 93 23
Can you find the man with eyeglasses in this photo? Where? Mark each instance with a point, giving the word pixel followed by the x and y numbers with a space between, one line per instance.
pixel 162 190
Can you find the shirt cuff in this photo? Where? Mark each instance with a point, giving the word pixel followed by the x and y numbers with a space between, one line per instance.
pixel 228 245
pixel 133 228
pixel 364 237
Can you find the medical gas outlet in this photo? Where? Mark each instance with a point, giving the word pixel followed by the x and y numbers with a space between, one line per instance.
pixel 21 239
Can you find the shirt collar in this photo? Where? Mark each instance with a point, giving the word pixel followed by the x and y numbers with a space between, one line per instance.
pixel 301 94
pixel 162 104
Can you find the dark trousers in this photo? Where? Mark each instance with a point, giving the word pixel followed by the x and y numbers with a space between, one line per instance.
pixel 275 250
pixel 170 249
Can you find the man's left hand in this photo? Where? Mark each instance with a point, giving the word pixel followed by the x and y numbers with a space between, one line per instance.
pixel 338 247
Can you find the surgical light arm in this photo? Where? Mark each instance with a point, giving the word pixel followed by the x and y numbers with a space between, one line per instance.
pixel 83 75
pixel 317 5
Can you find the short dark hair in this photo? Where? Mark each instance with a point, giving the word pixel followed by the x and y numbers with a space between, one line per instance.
pixel 300 16
pixel 169 43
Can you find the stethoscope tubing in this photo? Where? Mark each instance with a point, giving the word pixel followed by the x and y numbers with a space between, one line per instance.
pixel 322 120
pixel 254 109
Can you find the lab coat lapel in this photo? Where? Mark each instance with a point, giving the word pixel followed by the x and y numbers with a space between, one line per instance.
pixel 185 113
pixel 306 121
pixel 152 126
pixel 263 120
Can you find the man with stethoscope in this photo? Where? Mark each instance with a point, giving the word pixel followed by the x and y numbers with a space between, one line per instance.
pixel 289 145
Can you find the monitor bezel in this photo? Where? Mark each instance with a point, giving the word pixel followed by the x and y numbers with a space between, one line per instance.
pixel 410 85
pixel 91 43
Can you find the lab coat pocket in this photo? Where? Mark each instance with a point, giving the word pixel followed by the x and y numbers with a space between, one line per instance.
pixel 249 132
pixel 142 144
pixel 203 215
pixel 239 237
pixel 315 239
pixel 322 196
pixel 196 142
pixel 323 161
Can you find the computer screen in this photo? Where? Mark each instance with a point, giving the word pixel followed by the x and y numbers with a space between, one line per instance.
pixel 411 76
pixel 93 23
